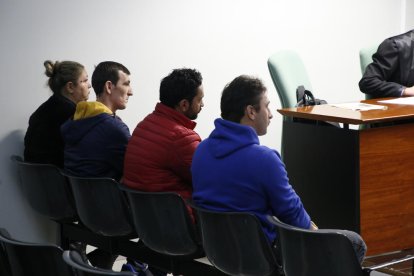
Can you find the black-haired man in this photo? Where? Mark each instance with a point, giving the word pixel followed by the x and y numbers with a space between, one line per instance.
pixel 160 151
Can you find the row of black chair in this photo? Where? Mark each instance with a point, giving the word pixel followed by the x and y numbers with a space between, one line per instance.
pixel 108 209
pixel 20 258
pixel 233 242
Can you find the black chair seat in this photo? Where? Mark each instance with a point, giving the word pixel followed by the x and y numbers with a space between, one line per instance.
pixel 323 253
pixel 163 223
pixel 235 243
pixel 73 259
pixel 101 206
pixel 47 190
pixel 34 259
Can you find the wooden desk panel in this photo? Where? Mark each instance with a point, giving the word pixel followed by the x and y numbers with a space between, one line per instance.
pixel 387 188
pixel 356 180
pixel 360 180
pixel 323 168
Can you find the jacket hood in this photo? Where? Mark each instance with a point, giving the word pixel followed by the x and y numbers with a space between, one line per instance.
pixel 87 116
pixel 229 137
pixel 90 109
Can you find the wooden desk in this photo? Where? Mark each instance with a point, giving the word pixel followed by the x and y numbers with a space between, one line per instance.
pixel 394 112
pixel 361 180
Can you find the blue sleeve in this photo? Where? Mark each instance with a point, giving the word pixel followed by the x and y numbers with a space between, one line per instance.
pixel 284 202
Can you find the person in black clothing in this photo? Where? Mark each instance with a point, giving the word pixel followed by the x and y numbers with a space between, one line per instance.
pixel 96 138
pixel 69 83
pixel 391 73
pixel 43 142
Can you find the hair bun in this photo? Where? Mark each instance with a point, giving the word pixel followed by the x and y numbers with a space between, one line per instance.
pixel 51 67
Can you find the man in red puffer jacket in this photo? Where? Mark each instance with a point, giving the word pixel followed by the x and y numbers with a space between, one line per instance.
pixel 159 154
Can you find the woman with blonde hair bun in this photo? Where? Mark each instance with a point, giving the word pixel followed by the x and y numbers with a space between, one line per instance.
pixel 69 83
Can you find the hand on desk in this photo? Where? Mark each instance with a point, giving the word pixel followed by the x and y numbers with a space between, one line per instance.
pixel 408 91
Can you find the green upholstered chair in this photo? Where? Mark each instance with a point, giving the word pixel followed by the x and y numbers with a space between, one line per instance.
pixel 288 72
pixel 365 58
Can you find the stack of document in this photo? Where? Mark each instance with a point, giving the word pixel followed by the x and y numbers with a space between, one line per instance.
pixel 359 106
pixel 402 100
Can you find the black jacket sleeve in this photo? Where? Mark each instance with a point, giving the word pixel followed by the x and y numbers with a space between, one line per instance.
pixel 379 79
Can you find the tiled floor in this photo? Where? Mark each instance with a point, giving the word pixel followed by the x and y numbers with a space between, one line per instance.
pixel 401 269
pixel 375 273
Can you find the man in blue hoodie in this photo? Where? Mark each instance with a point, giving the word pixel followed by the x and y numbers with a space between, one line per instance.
pixel 96 139
pixel 232 172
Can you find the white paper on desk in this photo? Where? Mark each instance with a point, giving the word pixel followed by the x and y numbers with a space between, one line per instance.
pixel 402 100
pixel 359 106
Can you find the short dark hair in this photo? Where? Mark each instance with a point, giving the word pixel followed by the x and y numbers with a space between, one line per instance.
pixel 178 85
pixel 241 92
pixel 106 71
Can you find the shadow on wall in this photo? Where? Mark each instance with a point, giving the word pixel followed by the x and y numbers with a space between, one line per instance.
pixel 16 215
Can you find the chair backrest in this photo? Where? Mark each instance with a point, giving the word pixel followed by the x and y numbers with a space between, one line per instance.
pixel 163 223
pixel 365 56
pixel 310 253
pixel 4 262
pixel 73 259
pixel 34 259
pixel 288 72
pixel 235 243
pixel 47 190
pixel 101 205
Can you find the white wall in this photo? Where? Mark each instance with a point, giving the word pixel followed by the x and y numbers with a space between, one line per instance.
pixel 409 18
pixel 221 38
